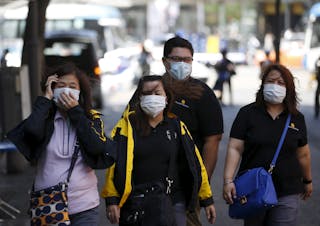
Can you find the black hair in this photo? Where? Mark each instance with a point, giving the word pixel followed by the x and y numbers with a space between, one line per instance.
pixel 291 100
pixel 140 119
pixel 84 82
pixel 176 42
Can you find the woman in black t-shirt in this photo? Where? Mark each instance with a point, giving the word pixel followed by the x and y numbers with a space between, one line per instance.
pixel 254 137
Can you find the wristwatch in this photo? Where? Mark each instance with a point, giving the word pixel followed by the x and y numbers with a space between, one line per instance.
pixel 305 181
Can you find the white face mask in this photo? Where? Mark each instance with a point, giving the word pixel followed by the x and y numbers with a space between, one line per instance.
pixel 274 93
pixel 58 91
pixel 152 105
pixel 180 70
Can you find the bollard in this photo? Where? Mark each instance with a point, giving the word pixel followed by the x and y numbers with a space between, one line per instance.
pixel 15 162
pixel 10 116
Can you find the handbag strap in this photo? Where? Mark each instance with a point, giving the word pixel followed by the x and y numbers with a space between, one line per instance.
pixel 169 178
pixel 284 132
pixel 171 169
pixel 73 160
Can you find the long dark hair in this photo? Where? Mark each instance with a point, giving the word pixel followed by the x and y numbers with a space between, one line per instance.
pixel 70 68
pixel 185 88
pixel 291 100
pixel 140 119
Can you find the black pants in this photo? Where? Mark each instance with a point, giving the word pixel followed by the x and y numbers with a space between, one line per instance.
pixel 148 205
pixel 219 87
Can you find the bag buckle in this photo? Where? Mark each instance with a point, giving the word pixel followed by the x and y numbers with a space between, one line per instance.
pixel 132 218
pixel 243 200
pixel 169 184
pixel 271 168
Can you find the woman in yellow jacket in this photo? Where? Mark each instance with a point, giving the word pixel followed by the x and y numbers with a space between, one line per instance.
pixel 156 158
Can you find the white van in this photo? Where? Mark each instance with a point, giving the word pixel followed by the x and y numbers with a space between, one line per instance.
pixel 312 38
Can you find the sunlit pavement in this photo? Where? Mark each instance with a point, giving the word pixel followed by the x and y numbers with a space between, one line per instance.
pixel 14 187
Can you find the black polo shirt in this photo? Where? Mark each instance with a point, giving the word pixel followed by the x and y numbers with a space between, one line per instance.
pixel 261 134
pixel 202 116
pixel 152 154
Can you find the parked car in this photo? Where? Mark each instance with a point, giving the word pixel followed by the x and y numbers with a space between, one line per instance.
pixel 291 51
pixel 79 47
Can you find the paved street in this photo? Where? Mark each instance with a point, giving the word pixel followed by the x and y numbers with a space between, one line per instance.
pixel 14 187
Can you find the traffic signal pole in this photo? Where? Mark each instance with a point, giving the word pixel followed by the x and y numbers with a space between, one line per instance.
pixel 277 31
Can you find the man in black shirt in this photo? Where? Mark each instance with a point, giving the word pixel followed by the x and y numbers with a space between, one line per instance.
pixel 195 104
pixel 4 58
pixel 225 69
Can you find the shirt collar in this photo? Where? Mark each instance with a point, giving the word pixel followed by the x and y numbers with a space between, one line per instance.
pixel 165 119
pixel 282 114
pixel 58 115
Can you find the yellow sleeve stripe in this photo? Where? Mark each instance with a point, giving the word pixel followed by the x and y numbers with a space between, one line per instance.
pixel 184 130
pixel 130 147
pixel 109 190
pixel 126 130
pixel 122 123
pixel 100 134
pixel 96 115
pixel 205 189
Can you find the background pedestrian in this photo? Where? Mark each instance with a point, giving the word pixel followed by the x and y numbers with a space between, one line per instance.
pixel 225 70
pixel 4 59
pixel 317 93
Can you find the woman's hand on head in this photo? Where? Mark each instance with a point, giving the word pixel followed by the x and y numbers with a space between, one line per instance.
pixel 49 92
pixel 211 213
pixel 113 214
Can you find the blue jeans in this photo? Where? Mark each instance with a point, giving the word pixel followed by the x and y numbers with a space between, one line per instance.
pixel 180 213
pixel 85 218
pixel 283 214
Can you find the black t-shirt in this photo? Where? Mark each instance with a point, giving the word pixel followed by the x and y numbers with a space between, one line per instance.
pixel 222 65
pixel 203 116
pixel 261 134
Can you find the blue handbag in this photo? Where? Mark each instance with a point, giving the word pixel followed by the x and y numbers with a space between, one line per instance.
pixel 255 189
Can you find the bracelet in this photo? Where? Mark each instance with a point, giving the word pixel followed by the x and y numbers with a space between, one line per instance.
pixel 228 182
pixel 305 181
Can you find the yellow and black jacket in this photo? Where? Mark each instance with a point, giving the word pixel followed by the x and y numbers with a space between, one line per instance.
pixel 118 184
pixel 33 134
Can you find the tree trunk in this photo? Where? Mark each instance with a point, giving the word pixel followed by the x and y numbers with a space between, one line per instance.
pixel 32 53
